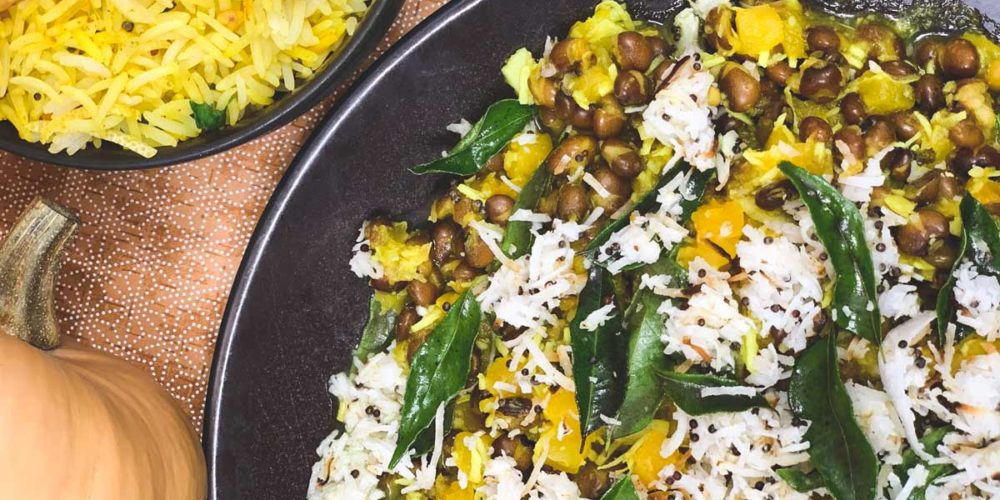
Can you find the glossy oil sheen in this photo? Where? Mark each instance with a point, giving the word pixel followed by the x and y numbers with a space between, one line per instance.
pixel 285 109
pixel 296 311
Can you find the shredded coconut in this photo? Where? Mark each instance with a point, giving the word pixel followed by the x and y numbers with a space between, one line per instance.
pixel 501 479
pixel 596 185
pixel 554 486
pixel 461 127
pixel 687 24
pixel 899 301
pixel 882 245
pixel 900 374
pixel 426 474
pixel 610 421
pixel 769 367
pixel 706 329
pixel 640 241
pixel 726 153
pixel 978 296
pixel 875 414
pixel 735 390
pixel 783 290
pixel 915 478
pixel 526 345
pixel 804 233
pixel 351 461
pixel 977 466
pixel 598 317
pixel 523 215
pixel 737 451
pixel 679 116
pixel 525 295
pixel 975 390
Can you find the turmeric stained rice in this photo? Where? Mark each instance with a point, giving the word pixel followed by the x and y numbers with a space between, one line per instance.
pixel 149 73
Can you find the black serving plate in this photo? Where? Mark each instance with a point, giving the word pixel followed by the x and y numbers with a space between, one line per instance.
pixel 296 311
pixel 334 73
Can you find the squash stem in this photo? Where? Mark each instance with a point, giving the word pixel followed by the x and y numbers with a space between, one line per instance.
pixel 29 262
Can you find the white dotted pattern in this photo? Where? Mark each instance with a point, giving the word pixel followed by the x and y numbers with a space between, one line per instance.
pixel 149 272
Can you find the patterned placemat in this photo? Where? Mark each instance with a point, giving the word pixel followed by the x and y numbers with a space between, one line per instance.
pixel 149 273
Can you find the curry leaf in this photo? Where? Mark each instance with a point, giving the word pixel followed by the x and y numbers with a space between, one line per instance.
pixel 981 244
pixel 838 448
pixel 930 443
pixel 598 355
pixel 800 481
pixel 693 190
pixel 643 391
pixel 425 440
pixel 502 120
pixel 945 307
pixel 685 390
pixel 378 332
pixel 643 388
pixel 206 117
pixel 840 227
pixel 517 238
pixel 438 371
pixel 623 489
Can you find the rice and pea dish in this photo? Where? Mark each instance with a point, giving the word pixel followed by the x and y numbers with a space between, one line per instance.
pixel 147 74
pixel 751 253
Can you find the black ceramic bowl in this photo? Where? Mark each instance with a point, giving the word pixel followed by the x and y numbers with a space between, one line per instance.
pixel 296 311
pixel 333 74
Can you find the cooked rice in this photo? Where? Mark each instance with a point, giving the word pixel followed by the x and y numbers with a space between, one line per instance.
pixel 352 461
pixel 739 452
pixel 123 71
pixel 858 187
pixel 783 291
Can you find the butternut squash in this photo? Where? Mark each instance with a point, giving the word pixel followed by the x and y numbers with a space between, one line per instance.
pixel 76 423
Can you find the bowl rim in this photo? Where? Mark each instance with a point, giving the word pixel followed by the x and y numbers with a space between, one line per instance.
pixel 307 156
pixel 380 16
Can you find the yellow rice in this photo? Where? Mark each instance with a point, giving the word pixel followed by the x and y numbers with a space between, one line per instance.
pixel 78 72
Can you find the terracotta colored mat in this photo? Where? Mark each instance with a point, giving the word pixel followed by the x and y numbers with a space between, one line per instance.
pixel 149 273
